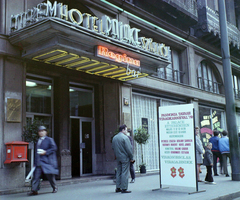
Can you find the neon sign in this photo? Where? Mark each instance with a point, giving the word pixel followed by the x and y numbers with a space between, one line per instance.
pixel 105 26
pixel 121 58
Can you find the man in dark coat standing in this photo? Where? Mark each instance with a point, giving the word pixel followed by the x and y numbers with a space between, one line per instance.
pixel 45 161
pixel 123 152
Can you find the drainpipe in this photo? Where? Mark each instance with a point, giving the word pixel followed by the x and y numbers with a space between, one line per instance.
pixel 229 96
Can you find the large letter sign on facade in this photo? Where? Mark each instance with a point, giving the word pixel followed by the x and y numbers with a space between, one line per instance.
pixel 177 152
pixel 102 26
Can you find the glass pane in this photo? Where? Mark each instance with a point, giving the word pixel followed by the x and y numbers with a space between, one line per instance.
pixel 200 83
pixel 205 124
pixel 38 97
pixel 176 66
pixel 217 120
pixel 87 151
pixel 145 107
pixel 81 103
pixel 46 121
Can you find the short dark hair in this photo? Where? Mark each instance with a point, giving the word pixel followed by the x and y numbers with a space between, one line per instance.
pixel 215 133
pixel 122 127
pixel 224 133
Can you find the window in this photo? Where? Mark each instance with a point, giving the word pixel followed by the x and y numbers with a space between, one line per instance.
pixel 206 78
pixel 38 96
pixel 213 4
pixel 39 101
pixel 81 101
pixel 210 119
pixel 173 71
pixel 236 86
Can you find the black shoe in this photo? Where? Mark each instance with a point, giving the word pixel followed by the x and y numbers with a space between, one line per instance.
pixel 126 191
pixel 216 175
pixel 55 190
pixel 118 190
pixel 32 193
pixel 227 175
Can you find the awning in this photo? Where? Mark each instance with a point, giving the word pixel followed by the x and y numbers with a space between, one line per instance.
pixel 55 42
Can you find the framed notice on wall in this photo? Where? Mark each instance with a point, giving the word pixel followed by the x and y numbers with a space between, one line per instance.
pixel 13 110
pixel 145 124
pixel 177 149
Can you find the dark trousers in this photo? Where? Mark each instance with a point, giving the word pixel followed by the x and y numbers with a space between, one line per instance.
pixel 209 177
pixel 132 171
pixel 37 176
pixel 215 156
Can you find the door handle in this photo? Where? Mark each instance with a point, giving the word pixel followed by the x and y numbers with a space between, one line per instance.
pixel 82 146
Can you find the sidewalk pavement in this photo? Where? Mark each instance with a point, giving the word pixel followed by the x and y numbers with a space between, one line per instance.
pixel 146 187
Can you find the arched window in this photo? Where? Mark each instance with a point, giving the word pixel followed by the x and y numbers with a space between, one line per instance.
pixel 207 78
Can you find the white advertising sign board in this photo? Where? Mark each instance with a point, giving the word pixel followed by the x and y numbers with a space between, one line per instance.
pixel 177 150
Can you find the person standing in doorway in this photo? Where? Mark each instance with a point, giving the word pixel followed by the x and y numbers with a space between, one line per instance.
pixel 45 161
pixel 216 153
pixel 199 151
pixel 123 152
pixel 225 151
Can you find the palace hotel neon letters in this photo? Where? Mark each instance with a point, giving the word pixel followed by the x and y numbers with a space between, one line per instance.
pixel 104 26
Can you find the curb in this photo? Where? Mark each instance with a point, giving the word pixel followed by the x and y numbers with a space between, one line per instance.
pixel 228 196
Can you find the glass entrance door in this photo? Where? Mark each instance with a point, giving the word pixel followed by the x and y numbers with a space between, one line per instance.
pixel 86 147
pixel 81 143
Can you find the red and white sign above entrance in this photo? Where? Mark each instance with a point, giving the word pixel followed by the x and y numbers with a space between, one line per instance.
pixel 104 52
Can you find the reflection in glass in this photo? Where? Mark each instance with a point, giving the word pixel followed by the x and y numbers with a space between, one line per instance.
pixel 210 119
pixel 38 97
pixel 81 103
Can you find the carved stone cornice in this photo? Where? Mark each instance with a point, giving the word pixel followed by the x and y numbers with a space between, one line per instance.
pixel 209 24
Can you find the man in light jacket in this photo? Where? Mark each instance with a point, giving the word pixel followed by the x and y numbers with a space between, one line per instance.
pixel 45 161
pixel 123 152
pixel 225 151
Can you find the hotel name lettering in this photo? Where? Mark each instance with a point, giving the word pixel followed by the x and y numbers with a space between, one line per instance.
pixel 102 26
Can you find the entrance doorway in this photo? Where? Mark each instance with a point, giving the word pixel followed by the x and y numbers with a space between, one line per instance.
pixel 81 143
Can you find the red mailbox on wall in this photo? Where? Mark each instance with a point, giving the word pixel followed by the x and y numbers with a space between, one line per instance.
pixel 16 152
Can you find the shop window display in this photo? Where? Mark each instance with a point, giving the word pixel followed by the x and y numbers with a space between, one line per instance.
pixel 210 119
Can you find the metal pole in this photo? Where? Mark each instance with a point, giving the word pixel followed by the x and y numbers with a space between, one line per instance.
pixel 229 96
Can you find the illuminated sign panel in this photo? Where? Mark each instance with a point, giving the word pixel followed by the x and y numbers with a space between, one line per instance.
pixel 117 57
pixel 105 26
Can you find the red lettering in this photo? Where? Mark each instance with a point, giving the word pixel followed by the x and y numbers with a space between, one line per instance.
pixel 103 51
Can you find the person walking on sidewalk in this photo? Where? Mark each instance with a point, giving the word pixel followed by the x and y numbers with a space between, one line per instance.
pixel 225 151
pixel 199 152
pixel 208 162
pixel 123 152
pixel 45 161
pixel 216 153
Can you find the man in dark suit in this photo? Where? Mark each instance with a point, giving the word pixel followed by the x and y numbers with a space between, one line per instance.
pixel 45 161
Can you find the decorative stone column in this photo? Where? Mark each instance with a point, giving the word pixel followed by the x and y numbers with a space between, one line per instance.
pixel 65 164
pixel 61 125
